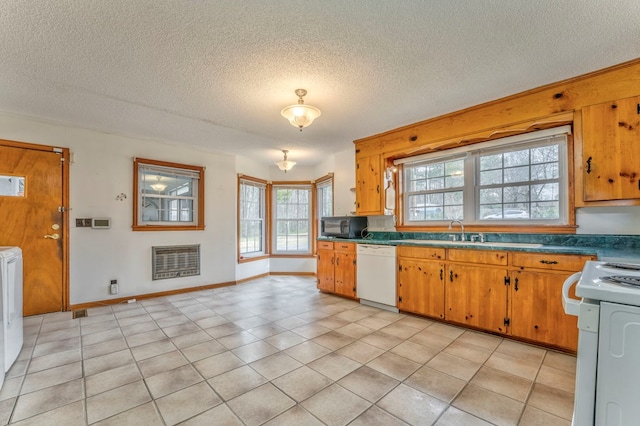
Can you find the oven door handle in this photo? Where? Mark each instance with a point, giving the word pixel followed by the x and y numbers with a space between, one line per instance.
pixel 571 306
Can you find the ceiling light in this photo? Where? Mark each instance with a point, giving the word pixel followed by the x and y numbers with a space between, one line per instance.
pixel 300 115
pixel 158 186
pixel 285 164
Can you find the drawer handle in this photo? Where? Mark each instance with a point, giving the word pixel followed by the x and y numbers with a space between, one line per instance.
pixel 451 275
pixel 549 262
pixel 441 274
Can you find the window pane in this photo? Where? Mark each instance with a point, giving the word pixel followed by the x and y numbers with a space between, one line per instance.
pixel 490 162
pixel 12 186
pixel 516 158
pixel 516 174
pixel 493 177
pixel 545 192
pixel 292 221
pixel 490 196
pixel 544 154
pixel 514 194
pixel 545 171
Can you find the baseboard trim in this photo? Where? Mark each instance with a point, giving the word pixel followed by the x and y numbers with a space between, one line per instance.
pixel 255 277
pixel 299 274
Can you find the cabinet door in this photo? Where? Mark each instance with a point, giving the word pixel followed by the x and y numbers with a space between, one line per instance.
pixel 536 309
pixel 345 270
pixel 611 136
pixel 476 296
pixel 325 270
pixel 421 287
pixel 368 185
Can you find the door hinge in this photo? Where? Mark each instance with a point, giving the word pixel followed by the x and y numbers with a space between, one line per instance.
pixel 507 280
pixel 354 261
pixel 61 209
pixel 507 321
pixel 638 109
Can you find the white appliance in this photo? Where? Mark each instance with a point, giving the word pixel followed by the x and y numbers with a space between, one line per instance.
pixel 376 274
pixel 11 278
pixel 608 368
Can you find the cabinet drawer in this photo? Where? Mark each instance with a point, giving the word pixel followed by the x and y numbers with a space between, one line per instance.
pixel 550 261
pixel 478 256
pixel 349 247
pixel 421 252
pixel 325 245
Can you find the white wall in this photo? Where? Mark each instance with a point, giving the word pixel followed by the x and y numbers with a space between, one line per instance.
pixel 609 220
pixel 342 165
pixel 103 168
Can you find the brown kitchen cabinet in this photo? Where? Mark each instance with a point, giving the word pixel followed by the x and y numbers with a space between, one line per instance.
pixel 536 311
pixel 336 270
pixel 610 141
pixel 369 191
pixel 420 281
pixel 476 291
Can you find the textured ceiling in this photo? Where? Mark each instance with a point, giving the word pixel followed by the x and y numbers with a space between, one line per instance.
pixel 216 74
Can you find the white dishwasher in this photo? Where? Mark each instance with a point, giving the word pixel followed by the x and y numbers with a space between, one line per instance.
pixel 376 276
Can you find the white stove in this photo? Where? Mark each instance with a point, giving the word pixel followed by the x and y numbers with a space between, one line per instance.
pixel 608 373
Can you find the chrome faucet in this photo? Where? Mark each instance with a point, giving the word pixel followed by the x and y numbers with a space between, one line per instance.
pixel 462 236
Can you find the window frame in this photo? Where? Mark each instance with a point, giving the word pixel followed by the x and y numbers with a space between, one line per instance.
pixel 264 253
pixel 198 224
pixel 309 186
pixel 471 188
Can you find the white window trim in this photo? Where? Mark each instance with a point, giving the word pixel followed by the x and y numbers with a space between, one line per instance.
pixel 263 187
pixel 471 173
pixel 274 221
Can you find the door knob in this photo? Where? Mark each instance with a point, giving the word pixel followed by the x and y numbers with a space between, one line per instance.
pixel 53 236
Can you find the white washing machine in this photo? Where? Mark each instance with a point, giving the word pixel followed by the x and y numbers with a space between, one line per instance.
pixel 11 279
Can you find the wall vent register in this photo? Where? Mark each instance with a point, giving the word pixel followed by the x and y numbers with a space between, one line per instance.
pixel 175 261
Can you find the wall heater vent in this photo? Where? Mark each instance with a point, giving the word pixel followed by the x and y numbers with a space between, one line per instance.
pixel 175 261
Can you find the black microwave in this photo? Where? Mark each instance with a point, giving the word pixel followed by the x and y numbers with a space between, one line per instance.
pixel 343 226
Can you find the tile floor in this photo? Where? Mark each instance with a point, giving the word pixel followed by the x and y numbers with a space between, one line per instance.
pixel 276 351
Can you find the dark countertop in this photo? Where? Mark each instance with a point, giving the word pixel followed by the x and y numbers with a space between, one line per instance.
pixel 605 247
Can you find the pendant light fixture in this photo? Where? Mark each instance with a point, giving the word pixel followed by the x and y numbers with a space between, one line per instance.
pixel 158 186
pixel 300 115
pixel 285 164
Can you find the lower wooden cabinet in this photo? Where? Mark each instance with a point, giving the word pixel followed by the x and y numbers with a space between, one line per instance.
pixel 336 270
pixel 421 287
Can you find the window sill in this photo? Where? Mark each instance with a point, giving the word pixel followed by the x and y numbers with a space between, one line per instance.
pixel 302 256
pixel 167 228
pixel 530 229
pixel 252 258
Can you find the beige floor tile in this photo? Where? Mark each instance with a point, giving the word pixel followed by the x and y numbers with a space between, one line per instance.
pixel 302 383
pixel 219 415
pixel 152 349
pixel 522 351
pixel 213 321
pixel 267 330
pixel 145 414
pixel 295 416
pixel 11 388
pixel 104 348
pixel 187 403
pixel 512 386
pixel 455 417
pixel 161 363
pixel 307 352
pixel 260 404
pixel 291 322
pixel 552 400
pixel 431 340
pixel 309 331
pixel 414 352
pixel 51 377
pixel 103 336
pixel 489 406
pixel 335 405
pixel 332 322
pixel 373 322
pixel 435 383
pixel 236 382
pixel 381 340
pixel 446 330
pixel 223 330
pixel 368 383
pixel 360 352
pixel 468 351
pixel 218 364
pixel 58 325
pixel 412 406
pixel 116 401
pixel 180 329
pixel 254 351
pixel 144 338
pixel 253 322
pixel 107 362
pixel 535 417
pixel 560 361
pixel 354 330
pixel 285 340
pixel 93 319
pixel 398 329
pixel 173 380
pixel 352 315
pixel 275 365
pixel 99 327
pixel 135 325
pixel 54 360
pixel 236 340
pixel 68 415
pixel 334 366
pixel 486 341
pixel 54 336
pixel 56 346
pixel 203 350
pixel 171 321
pixel 190 339
pixel 274 315
pixel 111 379
pixel 6 408
pixel 512 365
pixel 558 379
pixel 47 399
pixel 374 416
pixel 394 366
pixel 333 340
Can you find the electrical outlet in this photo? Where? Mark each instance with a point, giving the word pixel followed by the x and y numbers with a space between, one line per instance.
pixel 113 287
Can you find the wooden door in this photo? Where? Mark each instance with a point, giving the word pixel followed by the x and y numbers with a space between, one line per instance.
pixel 368 185
pixel 34 222
pixel 611 136
pixel 345 273
pixel 325 272
pixel 421 287
pixel 477 296
pixel 536 309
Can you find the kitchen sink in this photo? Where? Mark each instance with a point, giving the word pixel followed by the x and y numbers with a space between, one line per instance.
pixel 467 243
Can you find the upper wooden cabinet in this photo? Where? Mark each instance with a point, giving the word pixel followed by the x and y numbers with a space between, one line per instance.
pixel 369 191
pixel 611 150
